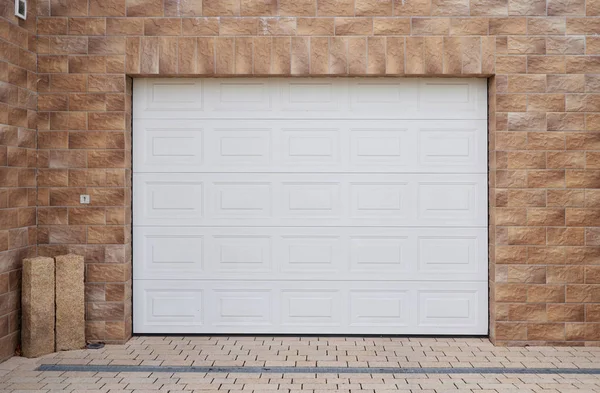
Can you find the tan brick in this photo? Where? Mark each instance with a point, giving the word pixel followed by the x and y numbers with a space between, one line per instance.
pixel 545 64
pixel 319 55
pixel 510 292
pixel 582 293
pixel 566 159
pixel 583 26
pixel 258 7
pixel 220 7
pixel 565 236
pixel 526 235
pixel 489 7
pixel 450 7
pixel 565 121
pixel 107 7
pixel 546 294
pixel 511 216
pixel 373 7
pixel 546 331
pixel 565 312
pixel 526 7
pixel 544 26
pixel 507 26
pixel 411 7
pixel 335 8
pixel 511 331
pixel 511 254
pixel 315 26
pixel 526 121
pixel 353 26
pixel 565 274
pixel 527 312
pixel 545 216
pixel 527 83
pixel 546 179
pixel 527 274
pixel 511 64
pixel 298 8
pixel 526 45
pixel 565 197
pixel 391 26
pixel 430 26
pixel 592 45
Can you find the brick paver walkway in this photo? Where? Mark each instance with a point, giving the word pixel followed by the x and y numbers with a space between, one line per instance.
pixel 19 375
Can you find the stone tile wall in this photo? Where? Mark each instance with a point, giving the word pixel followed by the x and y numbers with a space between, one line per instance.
pixel 542 59
pixel 17 163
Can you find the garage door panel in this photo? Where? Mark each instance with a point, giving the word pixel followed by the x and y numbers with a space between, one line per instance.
pixel 295 146
pixel 312 253
pixel 340 146
pixel 343 98
pixel 310 200
pixel 310 307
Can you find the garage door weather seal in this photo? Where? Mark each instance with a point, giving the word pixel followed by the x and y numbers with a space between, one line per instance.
pixel 314 370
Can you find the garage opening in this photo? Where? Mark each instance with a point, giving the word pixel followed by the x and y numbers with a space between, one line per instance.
pixel 321 205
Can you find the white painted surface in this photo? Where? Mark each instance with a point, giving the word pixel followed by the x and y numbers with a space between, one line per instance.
pixel 310 206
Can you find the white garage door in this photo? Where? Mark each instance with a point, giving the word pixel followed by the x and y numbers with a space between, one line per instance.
pixel 310 206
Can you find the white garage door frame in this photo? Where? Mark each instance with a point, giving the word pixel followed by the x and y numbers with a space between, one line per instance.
pixel 310 206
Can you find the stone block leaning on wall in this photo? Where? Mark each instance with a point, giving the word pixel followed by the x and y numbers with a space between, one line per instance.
pixel 37 334
pixel 70 302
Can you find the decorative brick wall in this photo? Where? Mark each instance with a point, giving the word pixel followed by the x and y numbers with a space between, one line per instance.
pixel 541 60
pixel 17 164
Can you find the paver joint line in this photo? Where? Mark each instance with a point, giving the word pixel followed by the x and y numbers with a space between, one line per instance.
pixel 315 370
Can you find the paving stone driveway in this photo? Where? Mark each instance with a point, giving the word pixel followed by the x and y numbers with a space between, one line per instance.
pixel 19 375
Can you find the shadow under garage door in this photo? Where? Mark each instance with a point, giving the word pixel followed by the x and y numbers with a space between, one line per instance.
pixel 326 206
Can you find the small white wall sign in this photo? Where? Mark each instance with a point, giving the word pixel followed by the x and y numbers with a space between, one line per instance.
pixel 21 9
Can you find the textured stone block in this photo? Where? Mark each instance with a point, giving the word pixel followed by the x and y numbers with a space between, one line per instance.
pixel 70 306
pixel 37 298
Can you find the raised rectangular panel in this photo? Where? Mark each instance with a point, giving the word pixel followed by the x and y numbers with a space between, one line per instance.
pixel 311 146
pixel 305 254
pixel 461 97
pixel 172 147
pixel 174 95
pixel 242 307
pixel 444 201
pixel 379 308
pixel 173 199
pixel 448 308
pixel 174 306
pixel 378 199
pixel 448 147
pixel 310 95
pixel 242 253
pixel 451 254
pixel 170 253
pixel 311 307
pixel 378 254
pixel 311 199
pixel 377 146
pixel 242 199
pixel 382 96
pixel 243 96
pixel 242 146
pixel 445 92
